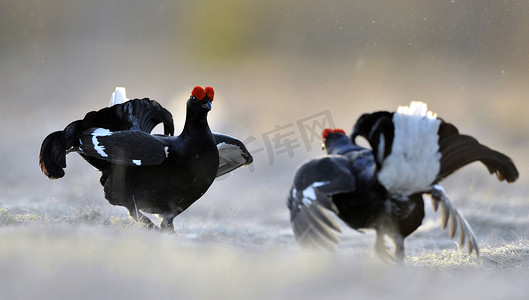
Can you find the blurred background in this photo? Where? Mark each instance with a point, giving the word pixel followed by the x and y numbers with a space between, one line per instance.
pixel 281 70
pixel 273 65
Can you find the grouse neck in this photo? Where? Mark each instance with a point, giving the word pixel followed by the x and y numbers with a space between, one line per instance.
pixel 195 124
pixel 340 144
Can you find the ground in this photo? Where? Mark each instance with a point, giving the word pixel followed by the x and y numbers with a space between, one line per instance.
pixel 96 253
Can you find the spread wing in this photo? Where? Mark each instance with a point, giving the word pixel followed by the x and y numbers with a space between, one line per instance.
pixel 138 114
pixel 415 149
pixel 459 150
pixel 310 200
pixel 130 147
pixel 232 153
pixel 457 221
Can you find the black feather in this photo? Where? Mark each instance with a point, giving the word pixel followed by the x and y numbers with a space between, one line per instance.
pixel 366 203
pixel 459 150
pixel 130 147
pixel 232 153
pixel 52 158
pixel 137 114
pixel 159 174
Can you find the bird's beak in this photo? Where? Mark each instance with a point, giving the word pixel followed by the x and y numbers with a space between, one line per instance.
pixel 207 105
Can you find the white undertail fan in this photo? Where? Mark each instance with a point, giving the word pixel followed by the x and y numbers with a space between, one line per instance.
pixel 118 96
pixel 424 149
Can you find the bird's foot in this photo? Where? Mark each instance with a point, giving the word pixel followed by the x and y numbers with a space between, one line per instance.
pixel 147 223
pixel 141 218
pixel 387 256
pixel 167 225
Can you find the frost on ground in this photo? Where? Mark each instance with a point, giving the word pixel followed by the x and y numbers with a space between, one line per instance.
pixel 93 254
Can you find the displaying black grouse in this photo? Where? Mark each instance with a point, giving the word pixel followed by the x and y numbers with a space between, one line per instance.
pixel 381 188
pixel 159 174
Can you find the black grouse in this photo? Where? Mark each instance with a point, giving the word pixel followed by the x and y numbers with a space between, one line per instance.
pixel 381 188
pixel 158 174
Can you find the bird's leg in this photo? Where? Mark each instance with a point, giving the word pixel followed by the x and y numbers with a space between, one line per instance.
pixel 167 219
pixel 381 250
pixel 167 224
pixel 141 218
pixel 135 213
pixel 398 241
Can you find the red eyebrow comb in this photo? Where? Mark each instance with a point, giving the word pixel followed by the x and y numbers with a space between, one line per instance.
pixel 328 131
pixel 210 92
pixel 325 133
pixel 198 92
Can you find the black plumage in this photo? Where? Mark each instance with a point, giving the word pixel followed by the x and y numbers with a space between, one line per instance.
pixel 159 174
pixel 457 149
pixel 364 188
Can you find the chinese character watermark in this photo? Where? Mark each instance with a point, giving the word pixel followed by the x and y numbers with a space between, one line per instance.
pixel 281 139
pixel 288 138
pixel 311 127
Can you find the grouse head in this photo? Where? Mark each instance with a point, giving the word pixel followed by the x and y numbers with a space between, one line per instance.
pixel 199 104
pixel 334 139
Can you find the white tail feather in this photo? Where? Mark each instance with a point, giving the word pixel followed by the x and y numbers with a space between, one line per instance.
pixel 414 161
pixel 119 96
pixel 416 108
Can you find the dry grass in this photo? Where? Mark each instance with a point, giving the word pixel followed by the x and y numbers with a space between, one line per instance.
pixel 514 255
pixel 505 254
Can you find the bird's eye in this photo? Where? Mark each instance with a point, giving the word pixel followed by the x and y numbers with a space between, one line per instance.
pixel 195 99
